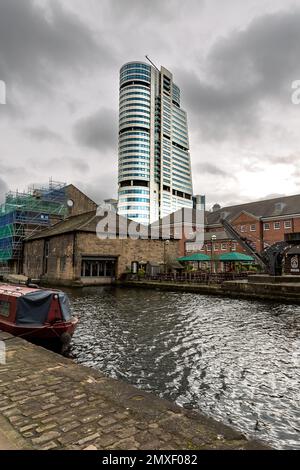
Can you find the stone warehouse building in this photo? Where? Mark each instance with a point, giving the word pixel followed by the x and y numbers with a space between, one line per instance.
pixel 71 253
pixel 25 213
pixel 262 222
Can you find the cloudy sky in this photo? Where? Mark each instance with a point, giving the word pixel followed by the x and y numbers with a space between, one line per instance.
pixel 234 62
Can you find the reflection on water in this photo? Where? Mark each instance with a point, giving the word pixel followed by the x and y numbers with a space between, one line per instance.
pixel 235 360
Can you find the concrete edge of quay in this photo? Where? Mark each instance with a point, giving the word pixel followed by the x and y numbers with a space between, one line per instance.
pixel 50 402
pixel 283 293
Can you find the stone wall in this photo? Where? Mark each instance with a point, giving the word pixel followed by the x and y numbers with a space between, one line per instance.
pixel 33 259
pixel 60 259
pixel 127 250
pixel 66 251
pixel 81 202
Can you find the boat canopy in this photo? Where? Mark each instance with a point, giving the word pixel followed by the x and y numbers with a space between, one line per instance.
pixel 65 306
pixel 33 308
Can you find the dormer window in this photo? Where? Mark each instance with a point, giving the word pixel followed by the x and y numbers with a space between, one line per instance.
pixel 279 206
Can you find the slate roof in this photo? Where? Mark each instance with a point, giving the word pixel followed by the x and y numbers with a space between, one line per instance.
pixel 281 206
pixel 222 235
pixel 86 222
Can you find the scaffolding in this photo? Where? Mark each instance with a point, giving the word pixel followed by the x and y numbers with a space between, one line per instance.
pixel 24 213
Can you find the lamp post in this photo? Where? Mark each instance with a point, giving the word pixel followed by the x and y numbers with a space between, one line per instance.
pixel 213 239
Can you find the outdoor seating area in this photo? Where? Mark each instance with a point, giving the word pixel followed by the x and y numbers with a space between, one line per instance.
pixel 226 263
pixel 199 268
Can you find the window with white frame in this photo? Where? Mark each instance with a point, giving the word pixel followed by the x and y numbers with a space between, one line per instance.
pixel 266 226
pixel 224 246
pixel 287 224
pixel 276 225
pixel 233 247
pixel 243 228
pixel 252 228
pixel 216 246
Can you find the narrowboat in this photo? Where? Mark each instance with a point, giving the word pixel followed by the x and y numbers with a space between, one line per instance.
pixel 38 315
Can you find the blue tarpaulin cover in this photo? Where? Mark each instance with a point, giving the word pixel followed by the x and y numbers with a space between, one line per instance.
pixel 33 308
pixel 65 306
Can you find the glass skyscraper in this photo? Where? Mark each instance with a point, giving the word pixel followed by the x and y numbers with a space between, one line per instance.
pixel 154 162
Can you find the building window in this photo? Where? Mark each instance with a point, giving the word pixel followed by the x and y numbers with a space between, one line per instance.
pixel 266 226
pixel 252 228
pixel 216 246
pixel 98 267
pixel 243 228
pixel 224 246
pixel 4 308
pixel 233 247
pixel 287 224
pixel 46 256
pixel 63 262
pixel 276 225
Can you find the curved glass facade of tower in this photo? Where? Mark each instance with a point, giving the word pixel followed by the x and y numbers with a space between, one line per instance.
pixel 154 162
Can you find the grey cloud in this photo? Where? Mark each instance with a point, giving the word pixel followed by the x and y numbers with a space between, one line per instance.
pixel 38 43
pixel 225 198
pixel 43 133
pixel 256 163
pixel 285 159
pixel 271 196
pixel 79 164
pixel 12 170
pixel 244 71
pixel 147 9
pixel 56 164
pixel 210 169
pixel 98 190
pixel 98 131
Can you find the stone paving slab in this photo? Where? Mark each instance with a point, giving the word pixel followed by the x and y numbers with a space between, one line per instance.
pixel 50 402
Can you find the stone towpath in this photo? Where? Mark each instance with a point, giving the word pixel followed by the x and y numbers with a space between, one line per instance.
pixel 50 402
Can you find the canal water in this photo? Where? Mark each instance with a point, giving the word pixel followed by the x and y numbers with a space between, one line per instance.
pixel 235 360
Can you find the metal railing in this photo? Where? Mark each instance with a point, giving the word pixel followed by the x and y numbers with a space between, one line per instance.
pixel 192 277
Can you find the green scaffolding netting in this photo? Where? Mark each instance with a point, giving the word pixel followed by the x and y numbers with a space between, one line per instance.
pixel 6 255
pixel 20 209
pixel 6 231
pixel 32 204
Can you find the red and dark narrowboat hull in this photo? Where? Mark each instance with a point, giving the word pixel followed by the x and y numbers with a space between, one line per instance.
pixel 36 314
pixel 47 332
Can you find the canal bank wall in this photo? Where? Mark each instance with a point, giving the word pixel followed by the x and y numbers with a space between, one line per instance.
pixel 50 402
pixel 276 292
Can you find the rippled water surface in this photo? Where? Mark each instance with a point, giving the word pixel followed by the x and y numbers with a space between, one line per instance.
pixel 236 360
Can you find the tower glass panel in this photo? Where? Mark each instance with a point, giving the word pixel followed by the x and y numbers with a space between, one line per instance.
pixel 154 162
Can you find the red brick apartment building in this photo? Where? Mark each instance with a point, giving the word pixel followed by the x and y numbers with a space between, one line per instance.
pixel 261 222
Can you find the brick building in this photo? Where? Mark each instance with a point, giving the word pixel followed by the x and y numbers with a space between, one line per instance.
pixel 78 202
pixel 71 253
pixel 262 222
